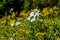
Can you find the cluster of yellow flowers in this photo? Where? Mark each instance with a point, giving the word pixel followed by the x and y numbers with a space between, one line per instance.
pixel 25 31
pixel 46 11
pixel 23 14
pixel 40 34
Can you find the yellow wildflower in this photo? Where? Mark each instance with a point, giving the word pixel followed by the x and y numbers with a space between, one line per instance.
pixel 55 13
pixel 12 21
pixel 20 29
pixel 23 30
pixel 27 32
pixel 21 38
pixel 13 15
pixel 1 26
pixel 58 38
pixel 3 21
pixel 9 16
pixel 50 10
pixel 19 18
pixel 23 14
pixel 40 33
pixel 54 8
pixel 45 12
pixel 47 21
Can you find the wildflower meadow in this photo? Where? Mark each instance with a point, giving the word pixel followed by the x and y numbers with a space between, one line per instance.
pixel 30 20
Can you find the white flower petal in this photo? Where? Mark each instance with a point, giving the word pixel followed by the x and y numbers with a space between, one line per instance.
pixel 32 14
pixel 11 9
pixel 17 23
pixel 33 19
pixel 37 13
pixel 29 18
pixel 11 38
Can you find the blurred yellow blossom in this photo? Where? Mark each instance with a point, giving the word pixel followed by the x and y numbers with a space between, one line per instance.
pixel 27 32
pixel 4 21
pixel 20 29
pixel 1 26
pixel 9 17
pixel 19 18
pixel 23 14
pixel 13 15
pixel 12 21
pixel 47 22
pixel 58 38
pixel 45 12
pixel 55 8
pixel 51 11
pixel 40 33
pixel 21 38
pixel 23 30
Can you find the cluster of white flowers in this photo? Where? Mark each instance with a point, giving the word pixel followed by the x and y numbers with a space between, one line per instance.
pixel 17 23
pixel 33 14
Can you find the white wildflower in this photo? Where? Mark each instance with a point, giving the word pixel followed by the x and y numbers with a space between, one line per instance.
pixel 11 38
pixel 11 9
pixel 32 14
pixel 17 23
pixel 32 20
pixel 37 13
pixel 29 17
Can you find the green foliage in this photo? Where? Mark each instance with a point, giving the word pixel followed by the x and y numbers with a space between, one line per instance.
pixel 31 4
